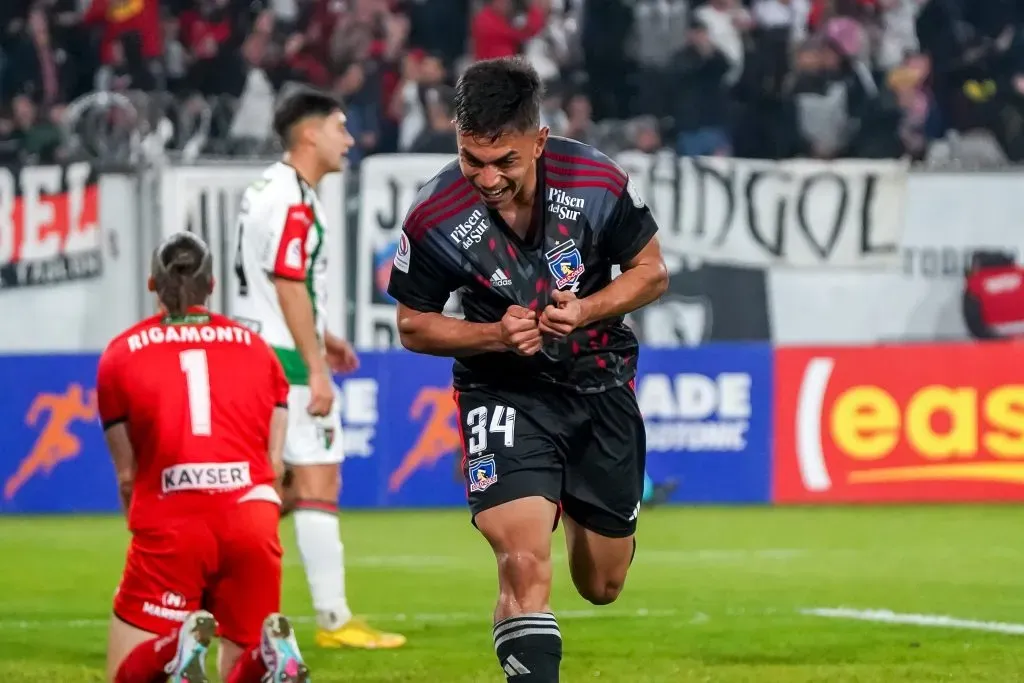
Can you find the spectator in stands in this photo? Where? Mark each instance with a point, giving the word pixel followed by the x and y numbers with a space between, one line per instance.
pixel 253 121
pixel 789 15
pixel 898 34
pixel 39 138
pixel 439 136
pixel 604 38
pixel 495 32
pixel 36 66
pixel 303 64
pixel 548 51
pixel 659 34
pixel 801 76
pixel 552 112
pixel 137 23
pixel 727 24
pixel 176 57
pixel 116 74
pixel 439 27
pixel 580 117
pixel 420 74
pixel 10 141
pixel 701 109
pixel 643 135
pixel 362 108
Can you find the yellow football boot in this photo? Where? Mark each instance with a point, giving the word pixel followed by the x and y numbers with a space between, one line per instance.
pixel 357 633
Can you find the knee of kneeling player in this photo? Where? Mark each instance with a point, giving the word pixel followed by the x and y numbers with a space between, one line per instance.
pixel 525 579
pixel 601 590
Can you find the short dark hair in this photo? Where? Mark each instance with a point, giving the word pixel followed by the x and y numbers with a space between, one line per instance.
pixel 183 272
pixel 498 96
pixel 301 103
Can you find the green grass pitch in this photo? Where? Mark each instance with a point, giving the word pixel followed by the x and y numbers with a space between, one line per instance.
pixel 715 595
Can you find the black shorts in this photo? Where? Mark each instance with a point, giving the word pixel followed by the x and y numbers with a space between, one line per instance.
pixel 583 451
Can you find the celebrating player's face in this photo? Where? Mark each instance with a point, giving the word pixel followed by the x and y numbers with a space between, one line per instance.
pixel 499 169
pixel 334 141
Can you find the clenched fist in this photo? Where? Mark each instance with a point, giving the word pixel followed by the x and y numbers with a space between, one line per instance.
pixel 562 317
pixel 519 331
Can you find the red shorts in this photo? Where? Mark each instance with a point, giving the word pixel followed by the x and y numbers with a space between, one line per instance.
pixel 227 562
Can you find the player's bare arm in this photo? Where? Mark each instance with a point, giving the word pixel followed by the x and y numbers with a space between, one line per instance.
pixel 644 278
pixel 341 357
pixel 278 432
pixel 436 334
pixel 123 456
pixel 298 316
pixel 111 394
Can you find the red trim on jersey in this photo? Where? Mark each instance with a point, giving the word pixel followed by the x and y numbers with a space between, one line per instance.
pixel 462 436
pixel 429 217
pixel 576 172
pixel 430 201
pixel 290 261
pixel 465 204
pixel 569 184
pixel 574 160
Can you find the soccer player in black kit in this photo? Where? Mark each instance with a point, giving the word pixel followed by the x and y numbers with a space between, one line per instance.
pixel 527 228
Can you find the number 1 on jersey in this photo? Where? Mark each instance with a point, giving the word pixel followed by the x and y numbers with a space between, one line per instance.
pixel 197 379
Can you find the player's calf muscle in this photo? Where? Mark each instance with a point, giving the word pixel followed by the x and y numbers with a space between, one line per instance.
pixel 520 535
pixel 525 582
pixel 598 564
pixel 595 585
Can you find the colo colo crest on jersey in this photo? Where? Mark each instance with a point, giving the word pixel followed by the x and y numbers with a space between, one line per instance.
pixel 565 263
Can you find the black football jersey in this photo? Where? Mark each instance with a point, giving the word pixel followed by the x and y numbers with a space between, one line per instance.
pixel 588 217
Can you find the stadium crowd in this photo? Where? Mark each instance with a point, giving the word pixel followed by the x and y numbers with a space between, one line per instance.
pixel 754 78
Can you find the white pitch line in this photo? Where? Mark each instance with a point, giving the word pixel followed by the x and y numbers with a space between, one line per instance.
pixel 436 617
pixel 884 616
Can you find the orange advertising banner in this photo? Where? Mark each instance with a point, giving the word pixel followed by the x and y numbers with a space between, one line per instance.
pixel 899 424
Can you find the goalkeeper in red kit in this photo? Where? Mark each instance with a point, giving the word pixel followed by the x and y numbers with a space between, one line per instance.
pixel 193 409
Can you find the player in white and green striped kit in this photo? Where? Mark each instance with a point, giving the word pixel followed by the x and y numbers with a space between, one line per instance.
pixel 281 293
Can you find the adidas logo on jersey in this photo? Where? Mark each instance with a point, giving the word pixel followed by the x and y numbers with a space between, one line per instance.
pixel 500 279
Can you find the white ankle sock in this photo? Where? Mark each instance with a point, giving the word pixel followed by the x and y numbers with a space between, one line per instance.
pixel 323 556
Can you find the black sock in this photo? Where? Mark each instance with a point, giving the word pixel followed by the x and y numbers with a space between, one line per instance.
pixel 529 648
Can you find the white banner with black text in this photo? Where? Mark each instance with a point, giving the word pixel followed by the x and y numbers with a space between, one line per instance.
pixel 797 213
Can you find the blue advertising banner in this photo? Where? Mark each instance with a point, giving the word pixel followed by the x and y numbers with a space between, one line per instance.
pixel 707 412
pixel 401 433
pixel 52 454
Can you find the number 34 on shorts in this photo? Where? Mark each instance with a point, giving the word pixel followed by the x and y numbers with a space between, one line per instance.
pixel 487 427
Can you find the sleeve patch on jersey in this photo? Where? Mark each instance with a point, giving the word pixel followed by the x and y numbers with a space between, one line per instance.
pixel 291 250
pixel 403 255
pixel 634 194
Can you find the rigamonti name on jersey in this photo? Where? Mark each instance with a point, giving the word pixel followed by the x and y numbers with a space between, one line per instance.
pixel 189 334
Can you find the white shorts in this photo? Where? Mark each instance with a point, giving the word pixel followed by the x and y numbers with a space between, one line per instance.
pixel 312 440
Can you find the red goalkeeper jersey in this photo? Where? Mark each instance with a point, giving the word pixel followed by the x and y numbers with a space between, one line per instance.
pixel 197 393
